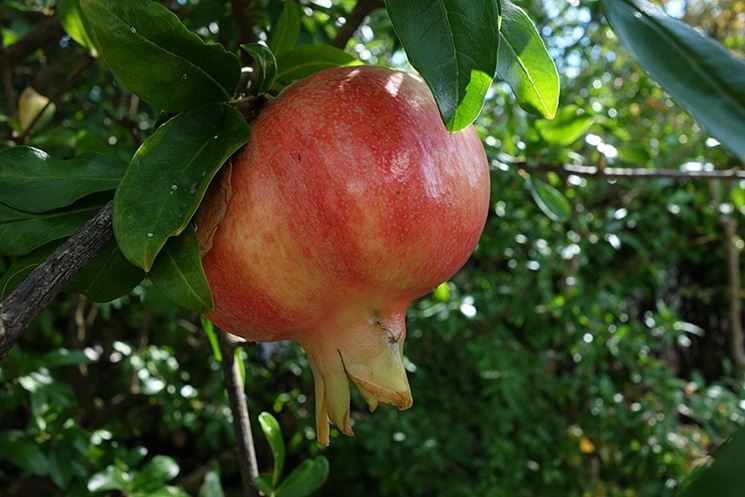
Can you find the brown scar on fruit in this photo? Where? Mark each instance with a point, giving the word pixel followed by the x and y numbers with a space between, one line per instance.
pixel 213 208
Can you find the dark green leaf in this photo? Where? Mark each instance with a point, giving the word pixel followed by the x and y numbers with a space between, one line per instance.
pixel 724 476
pixel 164 491
pixel 179 274
pixel 22 452
pixel 209 330
pixel 305 479
pixel 702 75
pixel 22 266
pixel 71 19
pixel 63 357
pixel 569 125
pixel 550 200
pixel 32 181
pixel 265 69
pixel 168 176
pixel 23 232
pixel 211 486
pixel 287 30
pixel 453 44
pixel 305 60
pixel 264 484
pixel 273 434
pixel 111 478
pixel 108 276
pixel 159 470
pixel 149 50
pixel 524 63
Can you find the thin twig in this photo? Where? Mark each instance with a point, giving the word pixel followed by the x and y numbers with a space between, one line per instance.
pixel 241 420
pixel 363 9
pixel 51 276
pixel 737 337
pixel 244 20
pixel 629 173
pixel 6 80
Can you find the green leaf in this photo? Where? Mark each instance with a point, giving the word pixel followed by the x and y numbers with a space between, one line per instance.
pixel 305 479
pixel 738 196
pixel 33 181
pixel 168 176
pixel 111 478
pixel 724 476
pixel 305 60
pixel 164 491
pixel 22 452
pixel 238 358
pixel 154 55
pixel 287 30
pixel 454 45
pixel 63 357
pixel 550 200
pixel 159 470
pixel 179 274
pixel 107 277
pixel 273 434
pixel 570 124
pixel 209 330
pixel 22 266
pixel 702 75
pixel 211 486
pixel 264 484
pixel 524 63
pixel 24 232
pixel 71 19
pixel 265 70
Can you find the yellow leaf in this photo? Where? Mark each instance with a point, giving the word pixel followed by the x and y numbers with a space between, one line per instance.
pixel 586 446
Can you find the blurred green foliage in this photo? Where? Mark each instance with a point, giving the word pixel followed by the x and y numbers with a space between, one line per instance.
pixel 568 358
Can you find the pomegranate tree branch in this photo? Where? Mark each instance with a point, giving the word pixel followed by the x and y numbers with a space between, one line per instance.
pixel 737 337
pixel 363 9
pixel 241 420
pixel 51 276
pixel 630 173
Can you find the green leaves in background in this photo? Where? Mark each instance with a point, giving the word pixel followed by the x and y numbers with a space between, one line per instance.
pixel 302 61
pixel 305 479
pixel 209 330
pixel 211 486
pixel 287 30
pixel 454 47
pixel 71 19
pixel 273 434
pixel 168 176
pixel 178 273
pixel 524 63
pixel 570 124
pixel 724 476
pixel 108 276
pixel 22 266
pixel 549 199
pixel 149 50
pixel 702 75
pixel 265 68
pixel 32 181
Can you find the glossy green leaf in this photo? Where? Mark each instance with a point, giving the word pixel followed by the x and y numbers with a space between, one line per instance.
pixel 702 75
pixel 111 478
pixel 264 484
pixel 22 266
pixel 71 19
pixel 238 357
pixel 23 232
pixel 32 181
pixel 159 470
pixel 179 274
pixel 524 63
pixel 550 200
pixel 153 54
pixel 107 277
pixel 168 176
pixel 305 479
pixel 287 30
pixel 265 69
pixel 454 45
pixel 209 330
pixel 570 124
pixel 305 60
pixel 164 491
pixel 723 477
pixel 273 434
pixel 211 486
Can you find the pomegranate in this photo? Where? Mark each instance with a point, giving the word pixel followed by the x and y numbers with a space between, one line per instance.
pixel 349 201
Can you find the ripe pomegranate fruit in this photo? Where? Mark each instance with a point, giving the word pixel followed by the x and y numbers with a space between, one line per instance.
pixel 349 201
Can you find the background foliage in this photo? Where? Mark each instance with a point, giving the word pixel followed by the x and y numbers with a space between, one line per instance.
pixel 581 351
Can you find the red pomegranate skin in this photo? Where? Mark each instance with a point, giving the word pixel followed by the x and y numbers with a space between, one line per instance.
pixel 350 200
